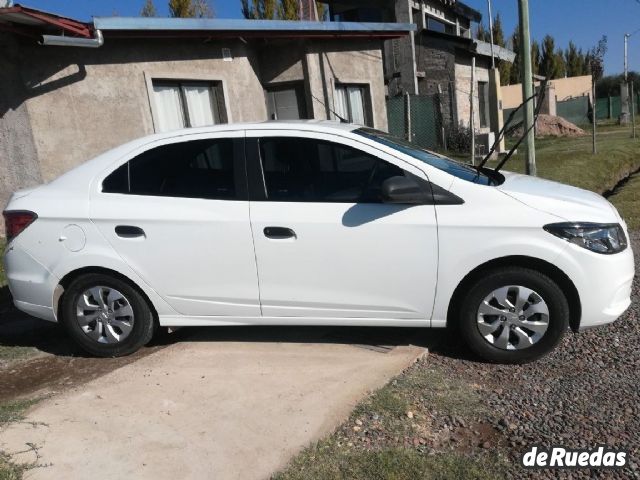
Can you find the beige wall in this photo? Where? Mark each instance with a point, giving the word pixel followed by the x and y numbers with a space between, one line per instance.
pixel 565 88
pixel 463 93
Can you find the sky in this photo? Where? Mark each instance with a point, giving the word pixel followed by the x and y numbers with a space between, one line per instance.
pixel 583 21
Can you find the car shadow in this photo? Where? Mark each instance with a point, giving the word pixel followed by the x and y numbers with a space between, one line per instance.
pixel 20 330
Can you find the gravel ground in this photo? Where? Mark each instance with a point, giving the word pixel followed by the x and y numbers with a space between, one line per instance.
pixel 586 393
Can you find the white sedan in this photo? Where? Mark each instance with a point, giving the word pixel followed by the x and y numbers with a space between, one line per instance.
pixel 312 223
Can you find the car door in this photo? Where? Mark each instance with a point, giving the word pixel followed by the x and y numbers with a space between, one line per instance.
pixel 326 246
pixel 178 214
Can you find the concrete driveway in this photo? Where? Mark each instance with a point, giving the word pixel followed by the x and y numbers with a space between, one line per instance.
pixel 223 404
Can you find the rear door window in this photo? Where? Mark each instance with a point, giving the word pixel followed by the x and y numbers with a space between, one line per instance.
pixel 195 169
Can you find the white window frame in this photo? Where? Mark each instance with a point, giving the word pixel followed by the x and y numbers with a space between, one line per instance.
pixel 368 98
pixel 173 77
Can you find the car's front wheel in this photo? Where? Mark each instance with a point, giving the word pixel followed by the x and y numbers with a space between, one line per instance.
pixel 513 315
pixel 106 316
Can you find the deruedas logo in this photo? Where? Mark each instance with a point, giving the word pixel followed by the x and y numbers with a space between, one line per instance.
pixel 560 457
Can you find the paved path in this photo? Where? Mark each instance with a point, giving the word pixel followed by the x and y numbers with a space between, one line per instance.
pixel 209 409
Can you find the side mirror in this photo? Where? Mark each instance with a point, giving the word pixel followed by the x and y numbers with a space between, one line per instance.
pixel 405 190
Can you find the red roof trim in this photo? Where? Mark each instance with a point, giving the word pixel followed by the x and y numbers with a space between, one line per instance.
pixel 68 25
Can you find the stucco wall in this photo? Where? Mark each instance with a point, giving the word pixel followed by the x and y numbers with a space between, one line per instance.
pixel 565 88
pixel 82 102
pixel 68 105
pixel 19 166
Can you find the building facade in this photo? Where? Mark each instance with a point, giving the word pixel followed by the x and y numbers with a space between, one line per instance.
pixel 436 59
pixel 62 105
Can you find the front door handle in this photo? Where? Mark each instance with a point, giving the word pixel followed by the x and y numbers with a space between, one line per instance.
pixel 129 231
pixel 279 233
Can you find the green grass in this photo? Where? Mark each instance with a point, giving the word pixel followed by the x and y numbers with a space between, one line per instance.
pixel 569 160
pixel 627 201
pixel 328 461
pixel 10 471
pixel 13 412
pixel 422 390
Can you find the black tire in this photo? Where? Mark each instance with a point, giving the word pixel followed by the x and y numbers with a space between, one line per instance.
pixel 143 322
pixel 484 285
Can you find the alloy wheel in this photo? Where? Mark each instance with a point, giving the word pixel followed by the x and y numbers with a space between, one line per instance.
pixel 104 314
pixel 513 317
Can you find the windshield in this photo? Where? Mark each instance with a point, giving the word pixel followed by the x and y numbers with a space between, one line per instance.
pixel 457 169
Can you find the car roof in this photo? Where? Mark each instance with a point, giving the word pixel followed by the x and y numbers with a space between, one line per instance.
pixel 318 125
pixel 77 176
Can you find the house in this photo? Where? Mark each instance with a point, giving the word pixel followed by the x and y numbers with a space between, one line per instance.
pixel 437 57
pixel 72 89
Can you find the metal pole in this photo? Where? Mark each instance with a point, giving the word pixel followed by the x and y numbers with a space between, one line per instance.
pixel 527 86
pixel 593 116
pixel 472 122
pixel 626 56
pixel 633 112
pixel 407 116
pixel 493 58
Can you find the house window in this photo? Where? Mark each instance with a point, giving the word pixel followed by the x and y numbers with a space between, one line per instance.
pixel 352 104
pixel 440 26
pixel 483 103
pixel 286 102
pixel 184 104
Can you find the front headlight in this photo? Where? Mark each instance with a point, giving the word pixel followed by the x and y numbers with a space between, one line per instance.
pixel 600 238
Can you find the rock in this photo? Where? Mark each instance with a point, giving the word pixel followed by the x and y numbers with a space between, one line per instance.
pixel 409 414
pixel 359 422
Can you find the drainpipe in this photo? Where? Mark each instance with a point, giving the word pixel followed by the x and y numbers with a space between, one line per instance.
pixel 96 42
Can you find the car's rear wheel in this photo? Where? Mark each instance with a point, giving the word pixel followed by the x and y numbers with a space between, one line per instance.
pixel 106 316
pixel 513 315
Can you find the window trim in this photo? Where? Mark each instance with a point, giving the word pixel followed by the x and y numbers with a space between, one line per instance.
pixel 367 97
pixel 150 78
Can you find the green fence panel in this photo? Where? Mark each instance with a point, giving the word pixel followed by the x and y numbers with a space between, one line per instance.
pixel 424 121
pixel 616 107
pixel 602 108
pixel 396 116
pixel 575 110
pixel 517 118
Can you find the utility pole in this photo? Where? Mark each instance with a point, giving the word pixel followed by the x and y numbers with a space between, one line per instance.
pixel 626 56
pixel 493 58
pixel 472 120
pixel 527 87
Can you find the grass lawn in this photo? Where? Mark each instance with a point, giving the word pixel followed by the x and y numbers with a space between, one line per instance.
pixel 627 201
pixel 569 160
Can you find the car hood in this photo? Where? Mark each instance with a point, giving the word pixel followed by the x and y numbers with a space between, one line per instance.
pixel 569 203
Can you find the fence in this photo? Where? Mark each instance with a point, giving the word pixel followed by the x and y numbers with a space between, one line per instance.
pixel 576 110
pixel 425 127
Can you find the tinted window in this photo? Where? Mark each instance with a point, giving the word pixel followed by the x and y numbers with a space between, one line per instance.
pixel 457 169
pixel 196 169
pixel 307 170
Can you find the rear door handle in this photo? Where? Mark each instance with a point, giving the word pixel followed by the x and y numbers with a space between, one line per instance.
pixel 279 233
pixel 129 231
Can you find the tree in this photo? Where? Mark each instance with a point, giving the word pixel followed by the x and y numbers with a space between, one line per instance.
pixel 498 39
pixel 288 10
pixel 149 9
pixel 549 66
pixel 573 60
pixel 482 33
pixel 259 9
pixel 561 65
pixel 535 58
pixel 516 69
pixel 190 9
